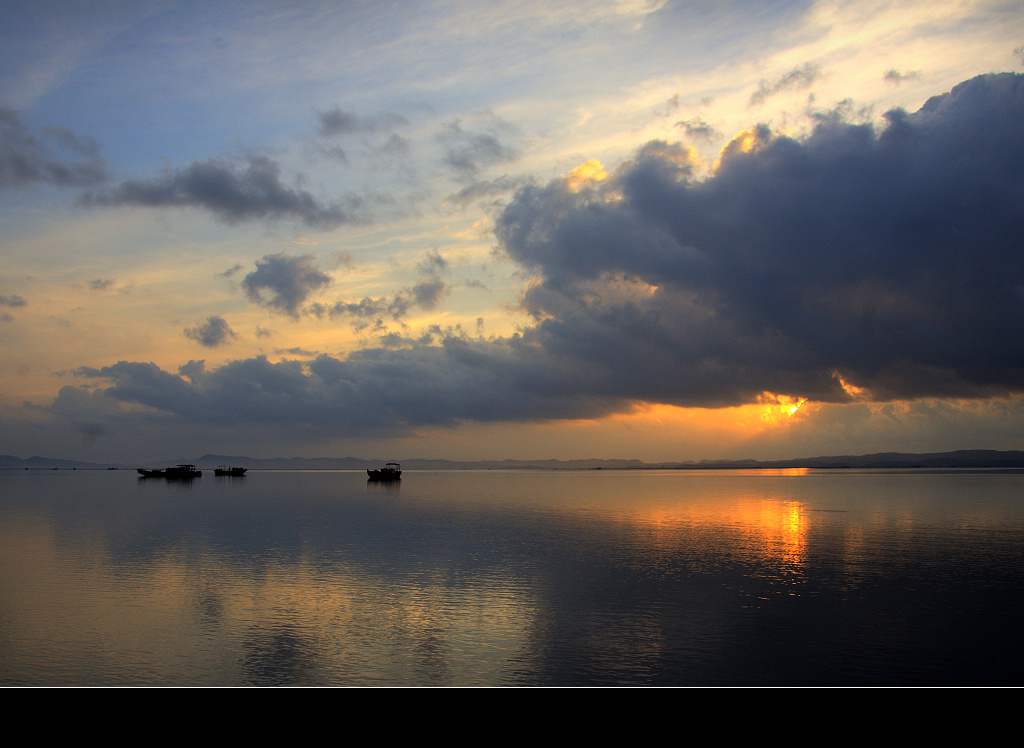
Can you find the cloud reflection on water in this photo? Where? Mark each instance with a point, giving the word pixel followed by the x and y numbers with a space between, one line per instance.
pixel 591 578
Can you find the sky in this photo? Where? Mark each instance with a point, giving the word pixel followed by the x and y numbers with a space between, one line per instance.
pixel 519 229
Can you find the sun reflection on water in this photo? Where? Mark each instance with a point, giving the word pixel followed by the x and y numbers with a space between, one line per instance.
pixel 603 577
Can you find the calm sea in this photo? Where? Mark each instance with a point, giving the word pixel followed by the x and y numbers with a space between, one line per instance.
pixel 518 578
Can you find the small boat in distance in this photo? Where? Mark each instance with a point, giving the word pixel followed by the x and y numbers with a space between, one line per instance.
pixel 390 471
pixel 235 472
pixel 179 472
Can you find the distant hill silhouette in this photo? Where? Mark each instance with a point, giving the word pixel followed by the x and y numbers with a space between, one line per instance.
pixel 964 458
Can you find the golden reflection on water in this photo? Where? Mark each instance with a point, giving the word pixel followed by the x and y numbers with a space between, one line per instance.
pixel 279 621
pixel 769 527
pixel 457 579
pixel 317 616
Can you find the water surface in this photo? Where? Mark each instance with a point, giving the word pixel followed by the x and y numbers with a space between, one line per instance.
pixel 517 578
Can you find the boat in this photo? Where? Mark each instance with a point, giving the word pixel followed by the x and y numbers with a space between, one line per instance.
pixel 390 471
pixel 235 472
pixel 184 471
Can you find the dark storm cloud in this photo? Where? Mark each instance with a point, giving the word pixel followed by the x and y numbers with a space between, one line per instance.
pixel 888 260
pixel 379 391
pixel 232 192
pixel 54 155
pixel 892 258
pixel 795 79
pixel 212 333
pixel 283 283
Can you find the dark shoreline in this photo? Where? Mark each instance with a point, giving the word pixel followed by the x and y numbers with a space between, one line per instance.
pixel 962 459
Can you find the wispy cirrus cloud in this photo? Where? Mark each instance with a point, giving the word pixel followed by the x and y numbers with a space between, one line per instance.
pixel 487 190
pixel 797 78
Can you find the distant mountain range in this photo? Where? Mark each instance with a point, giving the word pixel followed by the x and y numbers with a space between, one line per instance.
pixel 965 458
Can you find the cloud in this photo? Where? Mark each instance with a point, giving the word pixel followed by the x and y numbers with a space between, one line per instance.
pixel 887 260
pixel 337 122
pixel 671 105
pixel 229 272
pixel 53 155
pixel 484 190
pixel 795 79
pixel 212 333
pixel 380 391
pixel 853 264
pixel 289 281
pixel 896 77
pixel 697 129
pixel 467 153
pixel 232 192
pixel 12 302
pixel 426 294
pixel 432 264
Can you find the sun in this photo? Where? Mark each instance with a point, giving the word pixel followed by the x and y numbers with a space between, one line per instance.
pixel 778 409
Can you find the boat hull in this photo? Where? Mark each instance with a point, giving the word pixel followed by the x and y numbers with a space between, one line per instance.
pixel 391 471
pixel 181 472
pixel 384 475
pixel 234 472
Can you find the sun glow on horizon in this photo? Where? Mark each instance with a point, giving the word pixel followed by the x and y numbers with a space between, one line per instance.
pixel 671 433
pixel 779 408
